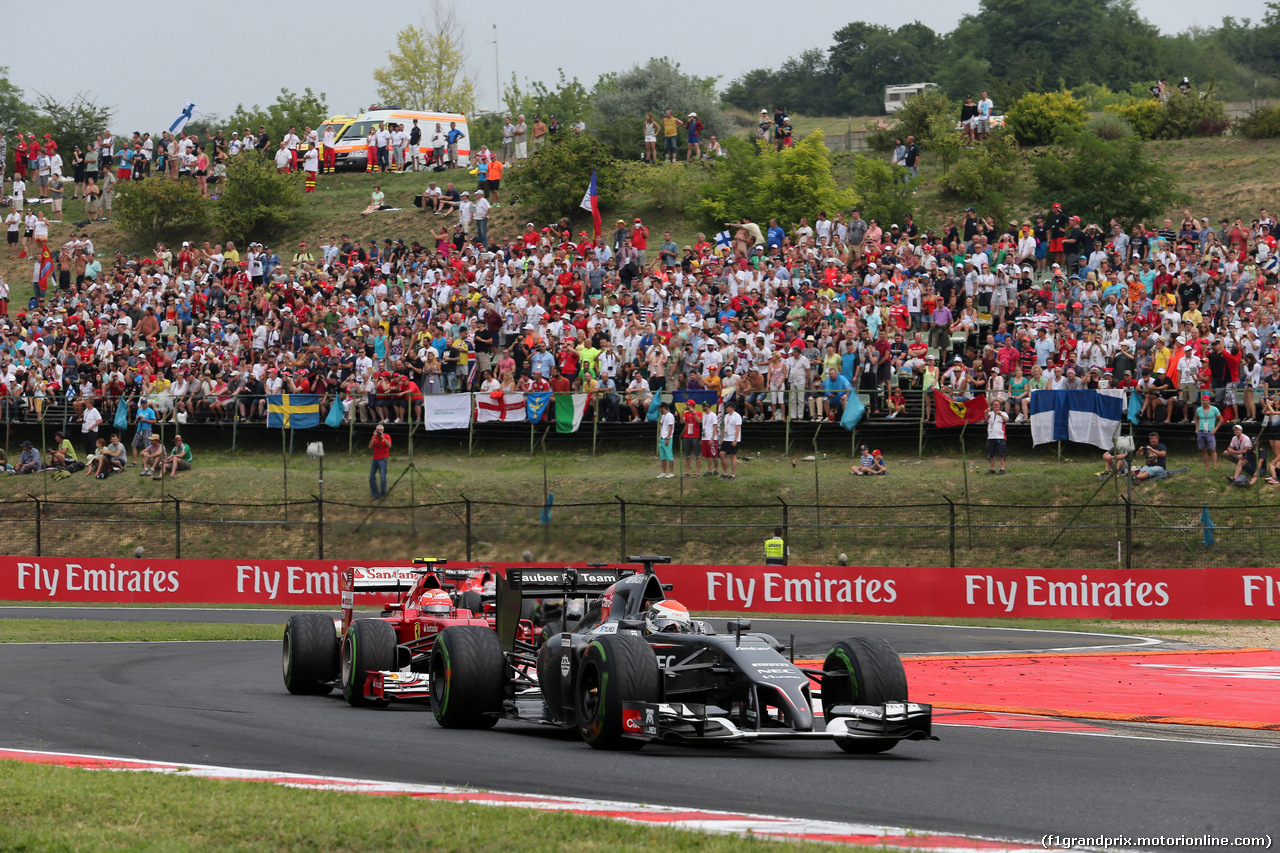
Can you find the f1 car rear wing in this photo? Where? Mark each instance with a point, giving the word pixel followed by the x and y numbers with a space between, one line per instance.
pixel 521 583
pixel 362 579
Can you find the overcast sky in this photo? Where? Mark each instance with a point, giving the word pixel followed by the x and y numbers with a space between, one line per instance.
pixel 147 65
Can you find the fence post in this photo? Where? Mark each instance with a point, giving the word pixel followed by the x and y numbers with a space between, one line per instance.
pixel 177 529
pixel 786 532
pixel 320 525
pixel 1128 533
pixel 39 521
pixel 951 525
pixel 468 530
pixel 622 529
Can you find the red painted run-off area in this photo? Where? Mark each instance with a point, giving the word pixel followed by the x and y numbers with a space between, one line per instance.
pixel 1236 688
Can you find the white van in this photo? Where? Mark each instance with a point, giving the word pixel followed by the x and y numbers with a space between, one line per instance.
pixel 896 96
pixel 351 131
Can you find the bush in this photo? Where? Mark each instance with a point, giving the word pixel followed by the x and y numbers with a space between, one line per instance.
pixel 672 189
pixel 1099 179
pixel 879 196
pixel 160 209
pixel 922 114
pixel 1193 114
pixel 785 185
pixel 1262 123
pixel 552 181
pixel 1108 126
pixel 1181 117
pixel 1042 118
pixel 1144 116
pixel 257 202
pixel 985 174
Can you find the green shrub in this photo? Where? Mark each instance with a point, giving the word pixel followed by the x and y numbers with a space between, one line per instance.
pixel 1041 118
pixel 666 188
pixel 1262 123
pixel 552 181
pixel 1146 117
pixel 1193 114
pixel 1109 126
pixel 257 202
pixel 880 196
pixel 919 117
pixel 985 174
pixel 160 209
pixel 1098 179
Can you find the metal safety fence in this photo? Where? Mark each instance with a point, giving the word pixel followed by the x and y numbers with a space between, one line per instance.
pixel 950 533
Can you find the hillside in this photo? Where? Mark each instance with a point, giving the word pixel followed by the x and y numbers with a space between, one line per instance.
pixel 1226 177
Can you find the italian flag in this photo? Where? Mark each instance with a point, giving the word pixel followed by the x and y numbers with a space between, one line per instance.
pixel 569 409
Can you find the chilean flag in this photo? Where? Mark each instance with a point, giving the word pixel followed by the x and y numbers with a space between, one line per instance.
pixel 591 202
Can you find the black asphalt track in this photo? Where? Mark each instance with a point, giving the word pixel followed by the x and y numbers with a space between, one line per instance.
pixel 812 638
pixel 225 704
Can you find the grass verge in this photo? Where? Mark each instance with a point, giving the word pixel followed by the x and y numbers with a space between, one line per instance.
pixel 59 808
pixel 80 631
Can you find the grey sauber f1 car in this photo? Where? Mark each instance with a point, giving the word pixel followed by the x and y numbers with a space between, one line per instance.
pixel 636 668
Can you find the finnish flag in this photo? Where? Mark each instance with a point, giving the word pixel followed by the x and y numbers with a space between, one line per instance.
pixel 723 239
pixel 1089 417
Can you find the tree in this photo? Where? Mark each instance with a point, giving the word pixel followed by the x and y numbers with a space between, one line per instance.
pixel 160 210
pixel 1099 178
pixel 427 70
pixel 867 57
pixel 15 113
pixel 257 202
pixel 569 100
pixel 659 85
pixel 984 175
pixel 289 110
pixel 74 122
pixel 552 181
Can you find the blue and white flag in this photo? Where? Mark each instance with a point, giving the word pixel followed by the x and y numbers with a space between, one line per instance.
pixel 535 404
pixel 723 239
pixel 188 110
pixel 1089 417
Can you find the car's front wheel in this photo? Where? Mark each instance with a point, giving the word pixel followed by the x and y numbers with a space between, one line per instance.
pixel 615 668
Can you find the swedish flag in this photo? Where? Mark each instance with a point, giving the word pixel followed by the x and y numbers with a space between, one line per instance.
pixel 293 411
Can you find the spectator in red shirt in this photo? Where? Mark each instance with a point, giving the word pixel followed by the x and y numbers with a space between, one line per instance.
pixel 380 444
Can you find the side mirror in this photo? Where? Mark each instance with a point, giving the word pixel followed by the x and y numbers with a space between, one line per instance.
pixel 738 625
pixel 630 624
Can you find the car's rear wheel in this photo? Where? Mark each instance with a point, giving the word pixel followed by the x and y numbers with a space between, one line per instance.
pixel 309 654
pixel 468 677
pixel 370 646
pixel 863 671
pixel 471 600
pixel 615 668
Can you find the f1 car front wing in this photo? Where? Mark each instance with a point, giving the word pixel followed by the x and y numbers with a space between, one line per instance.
pixel 673 721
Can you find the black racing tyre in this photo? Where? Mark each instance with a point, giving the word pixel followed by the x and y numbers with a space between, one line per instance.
pixel 310 654
pixel 874 676
pixel 550 678
pixel 470 600
pixel 468 677
pixel 547 631
pixel 615 668
pixel 370 645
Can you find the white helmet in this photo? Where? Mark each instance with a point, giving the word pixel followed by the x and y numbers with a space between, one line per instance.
pixel 435 602
pixel 668 616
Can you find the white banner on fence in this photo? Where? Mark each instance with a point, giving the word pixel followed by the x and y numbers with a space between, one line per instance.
pixel 447 411
pixel 510 408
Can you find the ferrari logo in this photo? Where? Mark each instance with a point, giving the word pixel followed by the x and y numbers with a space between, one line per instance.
pixel 958 408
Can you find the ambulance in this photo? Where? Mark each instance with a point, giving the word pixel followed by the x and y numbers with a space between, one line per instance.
pixel 352 131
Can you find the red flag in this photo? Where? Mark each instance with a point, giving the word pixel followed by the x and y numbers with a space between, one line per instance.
pixel 953 413
pixel 46 265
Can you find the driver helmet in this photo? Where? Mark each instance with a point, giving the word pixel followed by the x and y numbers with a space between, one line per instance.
pixel 435 602
pixel 668 617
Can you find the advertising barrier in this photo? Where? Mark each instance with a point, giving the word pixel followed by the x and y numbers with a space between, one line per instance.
pixel 1217 593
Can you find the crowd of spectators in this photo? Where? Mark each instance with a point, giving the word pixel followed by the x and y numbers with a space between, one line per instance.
pixel 785 321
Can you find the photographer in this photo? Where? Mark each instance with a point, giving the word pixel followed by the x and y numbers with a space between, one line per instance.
pixel 1156 456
